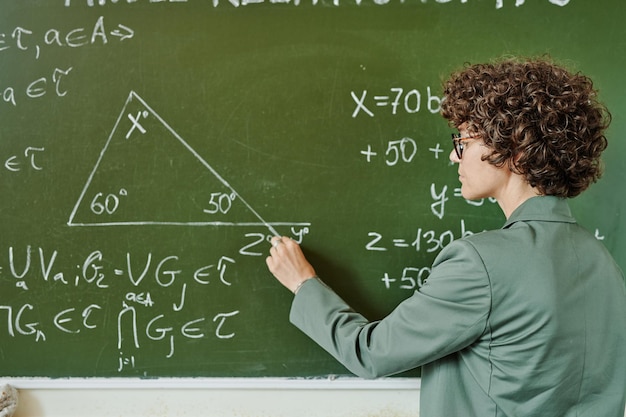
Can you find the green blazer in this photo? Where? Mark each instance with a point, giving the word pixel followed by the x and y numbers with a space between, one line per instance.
pixel 528 320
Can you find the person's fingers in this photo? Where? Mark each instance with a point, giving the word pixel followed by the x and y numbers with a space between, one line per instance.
pixel 276 240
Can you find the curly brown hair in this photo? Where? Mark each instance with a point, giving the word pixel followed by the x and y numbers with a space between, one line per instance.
pixel 543 121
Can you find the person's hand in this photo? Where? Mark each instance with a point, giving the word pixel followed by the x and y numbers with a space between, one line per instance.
pixel 288 264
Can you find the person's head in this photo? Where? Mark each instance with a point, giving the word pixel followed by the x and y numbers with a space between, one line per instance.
pixel 535 117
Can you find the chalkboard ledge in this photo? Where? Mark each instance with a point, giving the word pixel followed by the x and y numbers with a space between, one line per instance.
pixel 330 382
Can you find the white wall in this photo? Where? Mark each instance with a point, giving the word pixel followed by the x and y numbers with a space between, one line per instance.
pixel 217 403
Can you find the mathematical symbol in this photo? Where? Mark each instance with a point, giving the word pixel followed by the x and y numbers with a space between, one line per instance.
pixel 359 104
pixel 368 153
pixel 518 3
pixel 400 243
pixel 124 33
pixel 222 267
pixel 438 207
pixel 387 280
pixel 300 233
pixel 125 362
pixel 136 124
pixel 436 150
pixel 381 101
pixel 40 335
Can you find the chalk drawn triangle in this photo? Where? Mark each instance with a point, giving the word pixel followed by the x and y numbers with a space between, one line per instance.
pixel 147 174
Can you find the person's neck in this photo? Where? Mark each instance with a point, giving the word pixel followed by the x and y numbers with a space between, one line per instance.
pixel 515 196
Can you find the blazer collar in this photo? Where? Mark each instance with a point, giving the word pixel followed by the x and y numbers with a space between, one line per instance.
pixel 542 208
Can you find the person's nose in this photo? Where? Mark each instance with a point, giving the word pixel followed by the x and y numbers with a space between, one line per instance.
pixel 454 158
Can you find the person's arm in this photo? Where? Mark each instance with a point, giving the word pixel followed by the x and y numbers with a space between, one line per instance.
pixel 446 315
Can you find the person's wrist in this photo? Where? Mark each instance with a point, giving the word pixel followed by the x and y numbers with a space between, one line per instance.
pixel 301 283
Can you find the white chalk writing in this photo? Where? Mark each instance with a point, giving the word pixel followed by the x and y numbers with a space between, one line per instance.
pixel 397 100
pixel 23 40
pixel 237 3
pixel 142 319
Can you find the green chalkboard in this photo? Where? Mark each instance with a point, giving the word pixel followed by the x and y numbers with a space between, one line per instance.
pixel 150 148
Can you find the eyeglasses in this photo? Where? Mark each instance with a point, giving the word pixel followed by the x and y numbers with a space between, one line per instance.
pixel 459 146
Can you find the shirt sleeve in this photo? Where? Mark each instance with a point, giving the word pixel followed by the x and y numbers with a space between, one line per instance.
pixel 448 313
